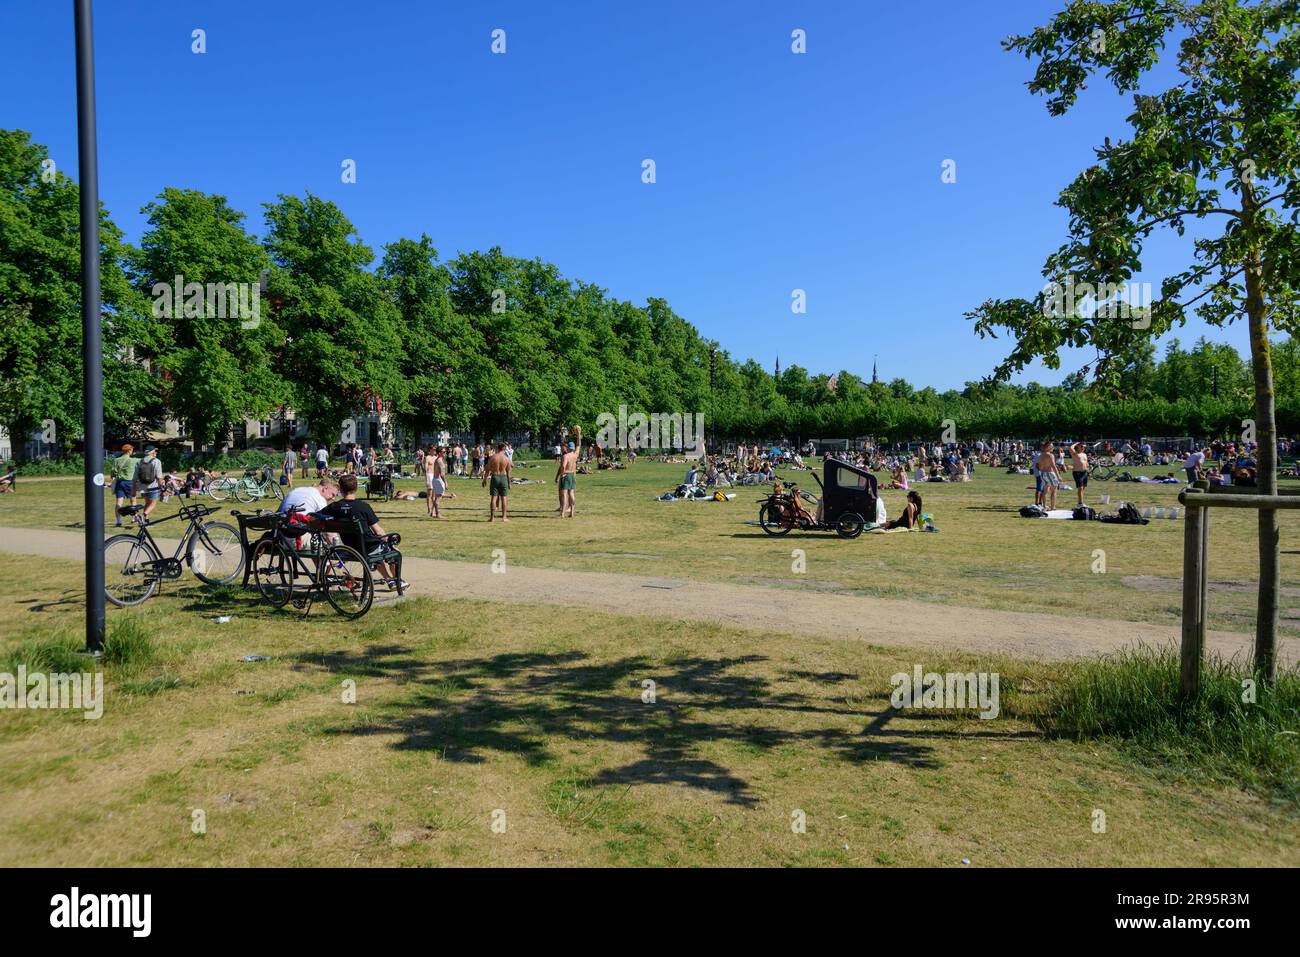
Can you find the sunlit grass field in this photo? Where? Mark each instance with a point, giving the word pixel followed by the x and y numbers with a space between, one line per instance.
pixel 984 554
pixel 469 715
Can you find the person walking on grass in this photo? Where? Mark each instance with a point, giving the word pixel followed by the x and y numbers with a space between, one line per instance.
pixel 1079 468
pixel 566 476
pixel 122 471
pixel 148 480
pixel 304 459
pixel 497 471
pixel 290 460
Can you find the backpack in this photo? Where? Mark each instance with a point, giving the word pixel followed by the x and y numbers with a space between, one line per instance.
pixel 1033 511
pixel 1127 515
pixel 148 472
pixel 1083 513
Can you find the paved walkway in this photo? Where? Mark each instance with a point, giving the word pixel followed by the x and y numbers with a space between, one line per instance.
pixel 885 622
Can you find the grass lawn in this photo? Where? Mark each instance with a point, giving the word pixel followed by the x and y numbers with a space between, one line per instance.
pixel 465 709
pixel 984 555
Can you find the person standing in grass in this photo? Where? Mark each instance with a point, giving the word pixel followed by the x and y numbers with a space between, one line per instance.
pixel 290 460
pixel 122 471
pixel 435 481
pixel 1079 468
pixel 1049 476
pixel 497 470
pixel 322 461
pixel 566 476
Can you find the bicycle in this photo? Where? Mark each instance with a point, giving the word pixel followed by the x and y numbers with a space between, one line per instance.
pixel 134 564
pixel 257 483
pixel 340 573
pixel 221 488
pixel 1103 470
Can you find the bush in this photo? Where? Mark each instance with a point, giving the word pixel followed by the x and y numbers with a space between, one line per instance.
pixel 70 465
pixel 1133 700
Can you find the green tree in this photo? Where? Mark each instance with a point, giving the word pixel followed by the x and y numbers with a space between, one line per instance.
pixel 340 343
pixel 1219 148
pixel 216 359
pixel 40 306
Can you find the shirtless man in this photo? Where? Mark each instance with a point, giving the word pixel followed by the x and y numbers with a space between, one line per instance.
pixel 1049 476
pixel 435 481
pixel 1079 468
pixel 497 471
pixel 566 476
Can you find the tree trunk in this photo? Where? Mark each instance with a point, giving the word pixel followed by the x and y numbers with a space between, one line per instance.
pixel 17 449
pixel 1266 613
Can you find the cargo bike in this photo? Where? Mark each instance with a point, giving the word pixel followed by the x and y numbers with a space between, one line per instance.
pixel 847 504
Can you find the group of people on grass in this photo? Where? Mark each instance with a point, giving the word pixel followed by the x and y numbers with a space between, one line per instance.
pixel 496 469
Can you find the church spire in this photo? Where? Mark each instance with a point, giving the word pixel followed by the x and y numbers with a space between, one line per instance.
pixel 777 373
pixel 874 378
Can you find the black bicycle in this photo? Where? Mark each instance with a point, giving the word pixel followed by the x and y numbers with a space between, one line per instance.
pixel 286 572
pixel 134 564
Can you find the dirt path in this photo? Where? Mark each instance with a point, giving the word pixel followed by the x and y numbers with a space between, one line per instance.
pixel 798 610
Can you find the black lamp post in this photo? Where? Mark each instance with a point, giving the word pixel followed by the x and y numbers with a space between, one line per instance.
pixel 92 354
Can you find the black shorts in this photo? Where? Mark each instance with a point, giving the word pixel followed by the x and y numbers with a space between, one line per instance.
pixel 1080 479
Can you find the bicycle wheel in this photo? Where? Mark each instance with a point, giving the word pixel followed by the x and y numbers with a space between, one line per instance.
pixel 215 554
pixel 276 492
pixel 772 520
pixel 219 490
pixel 347 581
pixel 273 572
pixel 129 578
pixel 850 525
pixel 246 491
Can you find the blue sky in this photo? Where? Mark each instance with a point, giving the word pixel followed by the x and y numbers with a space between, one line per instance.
pixel 775 171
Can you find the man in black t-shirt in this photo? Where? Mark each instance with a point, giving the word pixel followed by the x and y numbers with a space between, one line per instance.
pixel 348 508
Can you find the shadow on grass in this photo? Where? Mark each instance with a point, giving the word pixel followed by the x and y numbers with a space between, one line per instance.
pixel 530 704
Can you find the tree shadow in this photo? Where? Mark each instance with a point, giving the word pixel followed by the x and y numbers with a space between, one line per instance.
pixel 524 704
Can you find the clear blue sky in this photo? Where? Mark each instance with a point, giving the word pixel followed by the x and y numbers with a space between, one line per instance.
pixel 775 171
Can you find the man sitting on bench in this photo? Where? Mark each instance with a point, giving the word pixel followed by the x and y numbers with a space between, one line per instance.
pixel 348 509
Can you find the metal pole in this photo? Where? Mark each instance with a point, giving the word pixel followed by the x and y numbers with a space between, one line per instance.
pixel 91 345
pixel 1193 633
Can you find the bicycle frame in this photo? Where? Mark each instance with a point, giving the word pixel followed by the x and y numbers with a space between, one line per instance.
pixel 194 514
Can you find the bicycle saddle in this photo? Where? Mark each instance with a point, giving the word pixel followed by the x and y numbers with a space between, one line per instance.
pixel 130 509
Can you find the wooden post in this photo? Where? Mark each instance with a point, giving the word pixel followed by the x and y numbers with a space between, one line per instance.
pixel 1195 559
